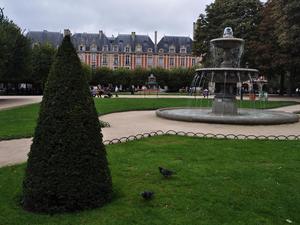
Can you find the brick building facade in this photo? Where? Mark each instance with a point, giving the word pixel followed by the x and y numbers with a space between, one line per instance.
pixel 126 50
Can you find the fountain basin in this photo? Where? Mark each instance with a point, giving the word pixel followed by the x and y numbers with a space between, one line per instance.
pixel 244 116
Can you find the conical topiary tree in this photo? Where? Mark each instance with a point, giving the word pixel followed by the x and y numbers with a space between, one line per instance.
pixel 67 169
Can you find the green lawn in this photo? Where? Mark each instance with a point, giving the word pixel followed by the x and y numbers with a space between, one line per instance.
pixel 20 122
pixel 232 182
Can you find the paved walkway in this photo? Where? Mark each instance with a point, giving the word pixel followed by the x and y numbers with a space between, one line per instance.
pixel 131 123
pixel 7 102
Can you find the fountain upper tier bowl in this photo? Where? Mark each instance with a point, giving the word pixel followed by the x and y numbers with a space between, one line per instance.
pixel 227 43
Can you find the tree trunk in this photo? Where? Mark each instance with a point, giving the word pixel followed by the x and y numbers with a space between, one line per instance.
pixel 282 79
pixel 291 83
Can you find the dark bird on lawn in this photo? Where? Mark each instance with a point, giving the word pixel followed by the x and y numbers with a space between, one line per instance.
pixel 147 195
pixel 165 172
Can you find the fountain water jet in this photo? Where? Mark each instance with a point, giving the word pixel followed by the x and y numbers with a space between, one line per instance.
pixel 227 52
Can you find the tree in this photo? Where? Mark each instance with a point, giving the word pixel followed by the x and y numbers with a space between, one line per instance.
pixel 42 57
pixel 139 76
pixel 243 16
pixel 122 76
pixel 67 169
pixel 268 55
pixel 285 14
pixel 88 73
pixel 14 51
pixel 103 76
pixel 278 48
pixel 180 78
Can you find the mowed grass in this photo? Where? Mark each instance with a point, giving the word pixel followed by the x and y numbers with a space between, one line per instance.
pixel 217 182
pixel 20 122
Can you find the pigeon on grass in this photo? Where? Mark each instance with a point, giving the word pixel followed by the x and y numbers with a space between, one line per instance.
pixel 147 195
pixel 165 172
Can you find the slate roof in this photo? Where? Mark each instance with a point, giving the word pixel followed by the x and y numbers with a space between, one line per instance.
pixel 42 37
pixel 88 39
pixel 176 41
pixel 122 40
pixel 144 41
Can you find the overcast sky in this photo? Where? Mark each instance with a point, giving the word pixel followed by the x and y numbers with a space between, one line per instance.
pixel 168 17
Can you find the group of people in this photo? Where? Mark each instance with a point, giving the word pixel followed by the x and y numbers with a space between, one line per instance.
pixel 204 92
pixel 106 92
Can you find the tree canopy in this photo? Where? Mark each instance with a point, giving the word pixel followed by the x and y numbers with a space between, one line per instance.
pixel 14 51
pixel 42 57
pixel 243 16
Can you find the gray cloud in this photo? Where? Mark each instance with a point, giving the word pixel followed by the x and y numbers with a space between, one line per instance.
pixel 168 17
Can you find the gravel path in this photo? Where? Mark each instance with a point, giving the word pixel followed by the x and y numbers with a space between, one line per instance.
pixel 7 102
pixel 125 124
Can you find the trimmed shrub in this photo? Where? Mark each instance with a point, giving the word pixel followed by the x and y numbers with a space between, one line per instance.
pixel 67 169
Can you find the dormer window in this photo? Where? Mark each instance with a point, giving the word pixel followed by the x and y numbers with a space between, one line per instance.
pixel 150 50
pixel 105 48
pixel 183 50
pixel 115 48
pixel 94 48
pixel 138 48
pixel 161 50
pixel 127 48
pixel 81 48
pixel 172 49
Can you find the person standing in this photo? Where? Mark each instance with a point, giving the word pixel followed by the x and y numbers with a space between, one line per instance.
pixel 242 93
pixel 116 91
pixel 205 93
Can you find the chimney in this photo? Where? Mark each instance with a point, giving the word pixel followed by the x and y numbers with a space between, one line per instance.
pixel 194 29
pixel 155 41
pixel 67 32
pixel 133 35
pixel 100 33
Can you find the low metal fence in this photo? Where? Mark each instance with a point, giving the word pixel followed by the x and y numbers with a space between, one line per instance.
pixel 203 135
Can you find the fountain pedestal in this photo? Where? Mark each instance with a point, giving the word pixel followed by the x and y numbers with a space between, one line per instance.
pixel 225 102
pixel 224 106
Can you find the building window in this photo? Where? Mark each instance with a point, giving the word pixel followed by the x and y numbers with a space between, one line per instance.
pixel 150 50
pixel 115 48
pixel 183 50
pixel 81 48
pixel 138 60
pixel 172 61
pixel 127 60
pixel 94 48
pixel 150 61
pixel 105 48
pixel 104 60
pixel 116 60
pixel 182 61
pixel 93 57
pixel 138 48
pixel 127 49
pixel 172 49
pixel 161 61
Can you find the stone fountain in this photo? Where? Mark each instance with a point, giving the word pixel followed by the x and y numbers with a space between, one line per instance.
pixel 224 76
